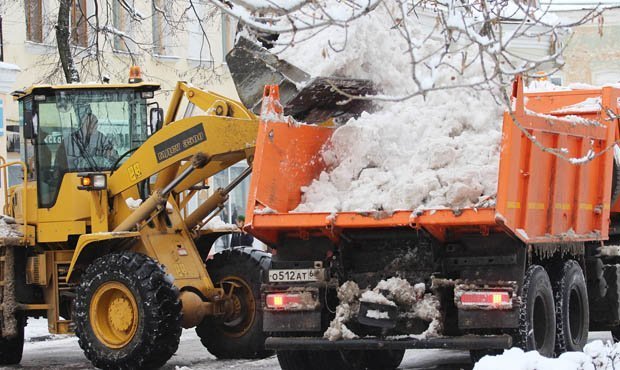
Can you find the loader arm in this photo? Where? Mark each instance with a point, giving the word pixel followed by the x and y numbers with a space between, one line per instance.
pixel 226 133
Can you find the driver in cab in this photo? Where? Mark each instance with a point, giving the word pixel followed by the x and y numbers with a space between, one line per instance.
pixel 87 148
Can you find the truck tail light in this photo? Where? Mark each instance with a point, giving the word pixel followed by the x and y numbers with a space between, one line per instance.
pixel 283 301
pixel 488 299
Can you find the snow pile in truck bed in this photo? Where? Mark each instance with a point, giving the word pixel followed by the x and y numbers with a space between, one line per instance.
pixel 435 151
pixel 595 356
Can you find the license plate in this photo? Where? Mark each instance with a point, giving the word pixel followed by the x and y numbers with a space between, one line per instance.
pixel 294 275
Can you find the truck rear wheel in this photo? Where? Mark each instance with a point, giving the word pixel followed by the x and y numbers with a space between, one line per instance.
pixel 240 335
pixel 11 349
pixel 571 309
pixel 341 360
pixel 127 313
pixel 373 360
pixel 536 313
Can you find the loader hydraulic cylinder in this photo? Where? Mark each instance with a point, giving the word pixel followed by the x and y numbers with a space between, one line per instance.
pixel 159 197
pixel 214 201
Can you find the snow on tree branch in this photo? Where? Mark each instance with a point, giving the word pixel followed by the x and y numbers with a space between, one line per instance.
pixel 481 42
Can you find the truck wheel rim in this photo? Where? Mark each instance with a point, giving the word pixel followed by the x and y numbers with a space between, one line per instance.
pixel 114 315
pixel 240 320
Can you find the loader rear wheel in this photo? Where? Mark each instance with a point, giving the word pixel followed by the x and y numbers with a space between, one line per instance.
pixel 11 349
pixel 537 313
pixel 240 334
pixel 571 309
pixel 127 313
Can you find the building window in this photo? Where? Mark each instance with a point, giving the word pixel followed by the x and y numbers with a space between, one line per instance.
pixel 34 20
pixel 199 48
pixel 161 28
pixel 121 22
pixel 79 23
pixel 228 34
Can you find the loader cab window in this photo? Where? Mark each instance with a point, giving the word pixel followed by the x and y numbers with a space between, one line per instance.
pixel 83 130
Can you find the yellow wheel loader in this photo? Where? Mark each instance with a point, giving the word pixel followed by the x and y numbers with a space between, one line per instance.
pixel 99 239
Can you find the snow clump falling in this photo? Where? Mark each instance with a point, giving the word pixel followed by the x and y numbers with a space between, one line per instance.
pixel 438 150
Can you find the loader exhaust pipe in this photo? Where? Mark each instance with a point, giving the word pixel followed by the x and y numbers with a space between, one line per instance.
pixel 159 197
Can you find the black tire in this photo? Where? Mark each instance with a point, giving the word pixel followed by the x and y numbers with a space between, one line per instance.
pixel 158 329
pixel 537 313
pixel 294 360
pixel 572 311
pixel 476 354
pixel 341 360
pixel 11 349
pixel 372 360
pixel 615 185
pixel 615 334
pixel 239 336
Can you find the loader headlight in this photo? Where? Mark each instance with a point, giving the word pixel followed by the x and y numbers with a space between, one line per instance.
pixel 92 181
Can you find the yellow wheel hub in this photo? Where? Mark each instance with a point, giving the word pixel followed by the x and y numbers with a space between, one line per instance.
pixel 240 319
pixel 114 314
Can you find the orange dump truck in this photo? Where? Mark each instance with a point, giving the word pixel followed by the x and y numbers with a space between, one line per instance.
pixel 537 270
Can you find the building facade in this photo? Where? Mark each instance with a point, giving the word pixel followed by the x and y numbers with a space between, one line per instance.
pixel 169 40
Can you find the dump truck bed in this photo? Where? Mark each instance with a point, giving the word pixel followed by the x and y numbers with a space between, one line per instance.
pixel 541 198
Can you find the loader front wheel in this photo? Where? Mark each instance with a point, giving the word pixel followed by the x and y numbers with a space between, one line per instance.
pixel 11 349
pixel 127 313
pixel 240 333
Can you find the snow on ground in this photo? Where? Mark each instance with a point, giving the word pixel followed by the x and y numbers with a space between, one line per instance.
pixel 596 355
pixel 63 352
pixel 437 150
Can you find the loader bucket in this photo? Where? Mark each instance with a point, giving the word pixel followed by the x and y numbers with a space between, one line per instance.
pixel 305 98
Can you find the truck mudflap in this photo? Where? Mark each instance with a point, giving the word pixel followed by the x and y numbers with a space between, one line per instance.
pixel 466 342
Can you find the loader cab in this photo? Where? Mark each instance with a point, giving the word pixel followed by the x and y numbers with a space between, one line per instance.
pixel 80 128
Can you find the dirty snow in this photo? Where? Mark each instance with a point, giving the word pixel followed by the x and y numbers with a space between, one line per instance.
pixel 596 355
pixel 588 105
pixel 371 296
pixel 216 223
pixel 376 314
pixel 412 301
pixel 437 150
pixel 133 203
pixel 609 250
pixel 8 228
pixel 348 295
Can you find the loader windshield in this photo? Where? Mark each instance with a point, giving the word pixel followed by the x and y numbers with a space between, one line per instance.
pixel 84 130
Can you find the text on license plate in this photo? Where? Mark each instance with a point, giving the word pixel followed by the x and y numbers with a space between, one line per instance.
pixel 294 275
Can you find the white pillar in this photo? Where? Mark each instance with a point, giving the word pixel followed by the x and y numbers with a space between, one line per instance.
pixel 8 75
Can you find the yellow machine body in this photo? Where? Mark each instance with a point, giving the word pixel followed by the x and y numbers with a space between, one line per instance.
pixel 80 225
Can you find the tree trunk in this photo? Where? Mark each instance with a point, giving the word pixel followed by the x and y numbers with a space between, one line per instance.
pixel 64 45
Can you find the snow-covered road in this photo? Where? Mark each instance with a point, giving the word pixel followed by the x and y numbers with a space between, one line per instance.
pixel 63 352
